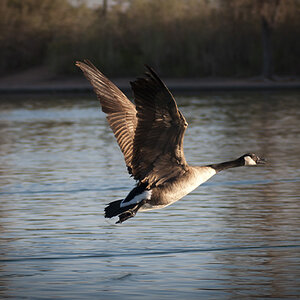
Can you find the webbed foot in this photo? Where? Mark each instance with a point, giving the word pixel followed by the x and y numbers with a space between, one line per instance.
pixel 130 213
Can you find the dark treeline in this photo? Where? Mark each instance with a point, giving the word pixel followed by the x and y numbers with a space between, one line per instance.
pixel 178 37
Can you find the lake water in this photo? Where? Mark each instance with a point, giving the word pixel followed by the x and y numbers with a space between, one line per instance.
pixel 235 237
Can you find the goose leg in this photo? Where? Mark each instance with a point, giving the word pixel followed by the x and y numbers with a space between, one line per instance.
pixel 130 213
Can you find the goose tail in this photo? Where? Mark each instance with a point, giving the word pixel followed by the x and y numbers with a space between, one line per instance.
pixel 113 209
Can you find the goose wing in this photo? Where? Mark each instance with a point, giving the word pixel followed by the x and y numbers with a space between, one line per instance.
pixel 121 113
pixel 158 143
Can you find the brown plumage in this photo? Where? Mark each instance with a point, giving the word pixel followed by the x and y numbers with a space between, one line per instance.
pixel 150 135
pixel 121 113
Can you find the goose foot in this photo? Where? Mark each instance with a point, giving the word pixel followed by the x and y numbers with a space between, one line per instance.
pixel 130 213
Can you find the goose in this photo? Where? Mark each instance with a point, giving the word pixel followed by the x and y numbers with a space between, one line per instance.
pixel 150 136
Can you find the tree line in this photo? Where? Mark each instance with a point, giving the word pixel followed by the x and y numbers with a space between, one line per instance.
pixel 180 38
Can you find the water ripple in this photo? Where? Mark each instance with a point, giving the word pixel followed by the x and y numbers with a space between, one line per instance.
pixel 150 253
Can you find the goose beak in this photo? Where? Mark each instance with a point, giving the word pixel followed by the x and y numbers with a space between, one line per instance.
pixel 261 161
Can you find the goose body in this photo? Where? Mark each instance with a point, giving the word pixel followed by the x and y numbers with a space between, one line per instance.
pixel 174 190
pixel 150 135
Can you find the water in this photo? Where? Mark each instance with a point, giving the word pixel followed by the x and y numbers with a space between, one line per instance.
pixel 237 236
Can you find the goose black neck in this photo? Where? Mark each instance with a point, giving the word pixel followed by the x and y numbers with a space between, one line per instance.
pixel 228 164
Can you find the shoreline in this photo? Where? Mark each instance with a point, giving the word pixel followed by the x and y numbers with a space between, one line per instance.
pixel 183 86
pixel 40 81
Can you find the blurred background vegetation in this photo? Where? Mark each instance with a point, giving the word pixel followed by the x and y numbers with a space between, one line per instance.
pixel 180 38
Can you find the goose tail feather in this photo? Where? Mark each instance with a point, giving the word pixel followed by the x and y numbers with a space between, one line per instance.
pixel 113 209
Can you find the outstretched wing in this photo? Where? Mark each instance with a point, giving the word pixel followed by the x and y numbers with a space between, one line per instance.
pixel 121 113
pixel 158 143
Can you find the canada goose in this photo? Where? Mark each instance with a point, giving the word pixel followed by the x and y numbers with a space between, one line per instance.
pixel 150 135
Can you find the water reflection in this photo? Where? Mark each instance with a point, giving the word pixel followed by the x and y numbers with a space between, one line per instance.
pixel 236 236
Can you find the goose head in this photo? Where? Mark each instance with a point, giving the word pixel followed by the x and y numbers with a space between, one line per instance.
pixel 251 159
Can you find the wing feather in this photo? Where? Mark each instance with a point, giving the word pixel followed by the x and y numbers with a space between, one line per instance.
pixel 121 112
pixel 158 143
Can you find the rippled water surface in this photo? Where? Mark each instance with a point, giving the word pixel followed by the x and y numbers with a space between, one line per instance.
pixel 237 236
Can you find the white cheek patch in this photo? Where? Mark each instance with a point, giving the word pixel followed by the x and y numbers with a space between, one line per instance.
pixel 138 198
pixel 249 161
